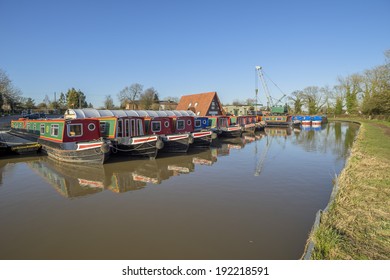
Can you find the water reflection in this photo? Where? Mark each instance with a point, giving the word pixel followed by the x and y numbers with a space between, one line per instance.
pixel 117 177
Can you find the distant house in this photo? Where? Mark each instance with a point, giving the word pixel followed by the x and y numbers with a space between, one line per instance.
pixel 167 105
pixel 160 105
pixel 238 110
pixel 202 104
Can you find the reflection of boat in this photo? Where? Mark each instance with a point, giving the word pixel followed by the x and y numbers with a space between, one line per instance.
pixel 117 176
pixel 278 131
pixel 70 181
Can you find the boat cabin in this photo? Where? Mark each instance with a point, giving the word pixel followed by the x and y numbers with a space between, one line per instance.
pixel 201 123
pixel 60 130
pixel 218 122
pixel 169 125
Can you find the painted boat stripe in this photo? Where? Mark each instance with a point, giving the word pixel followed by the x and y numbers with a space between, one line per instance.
pixel 201 134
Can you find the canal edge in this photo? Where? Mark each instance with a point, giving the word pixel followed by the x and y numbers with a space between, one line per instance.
pixel 310 244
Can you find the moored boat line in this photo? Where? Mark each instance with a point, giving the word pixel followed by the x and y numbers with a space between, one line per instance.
pixel 80 135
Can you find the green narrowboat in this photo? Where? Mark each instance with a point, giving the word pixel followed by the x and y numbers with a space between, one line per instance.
pixel 224 127
pixel 75 141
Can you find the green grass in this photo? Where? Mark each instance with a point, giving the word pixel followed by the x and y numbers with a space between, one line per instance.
pixel 357 224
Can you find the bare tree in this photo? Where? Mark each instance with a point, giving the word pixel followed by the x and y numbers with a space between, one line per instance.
pixel 297 100
pixel 129 94
pixel 314 99
pixel 149 98
pixel 109 103
pixel 9 95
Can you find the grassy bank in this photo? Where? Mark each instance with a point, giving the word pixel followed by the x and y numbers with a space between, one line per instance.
pixel 357 223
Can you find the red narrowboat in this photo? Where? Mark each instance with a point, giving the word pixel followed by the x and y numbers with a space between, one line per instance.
pixel 75 141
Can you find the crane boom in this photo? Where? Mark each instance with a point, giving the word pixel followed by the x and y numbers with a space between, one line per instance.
pixel 265 87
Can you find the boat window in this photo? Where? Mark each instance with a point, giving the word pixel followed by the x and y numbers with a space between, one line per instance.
pixel 103 127
pixel 166 124
pixel 189 122
pixel 120 128
pixel 91 127
pixel 156 126
pixel 127 128
pixel 204 121
pixel 133 128
pixel 180 125
pixel 140 127
pixel 197 123
pixel 75 130
pixel 28 126
pixel 223 122
pixel 42 128
pixel 54 131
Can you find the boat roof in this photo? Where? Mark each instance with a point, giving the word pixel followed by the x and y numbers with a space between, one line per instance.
pixel 95 113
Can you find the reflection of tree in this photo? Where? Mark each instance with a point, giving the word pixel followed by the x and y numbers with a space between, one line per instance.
pixel 335 137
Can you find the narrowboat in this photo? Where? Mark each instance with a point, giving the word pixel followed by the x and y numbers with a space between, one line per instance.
pixel 75 141
pixel 297 120
pixel 306 120
pixel 203 136
pixel 247 123
pixel 174 132
pixel 224 126
pixel 200 134
pixel 125 129
pixel 318 120
pixel 277 120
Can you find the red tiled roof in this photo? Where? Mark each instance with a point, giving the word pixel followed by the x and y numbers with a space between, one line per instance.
pixel 198 102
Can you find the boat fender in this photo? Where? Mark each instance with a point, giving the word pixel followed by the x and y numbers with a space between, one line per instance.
pixel 214 135
pixel 105 148
pixel 159 144
pixel 190 139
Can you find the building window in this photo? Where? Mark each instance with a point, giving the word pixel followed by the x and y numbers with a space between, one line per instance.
pixel 196 104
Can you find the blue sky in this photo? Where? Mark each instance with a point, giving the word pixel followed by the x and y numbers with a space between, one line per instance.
pixel 184 47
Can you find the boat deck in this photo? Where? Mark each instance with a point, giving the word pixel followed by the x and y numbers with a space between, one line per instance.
pixel 15 144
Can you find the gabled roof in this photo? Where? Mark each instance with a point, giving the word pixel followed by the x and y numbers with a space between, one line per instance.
pixel 198 102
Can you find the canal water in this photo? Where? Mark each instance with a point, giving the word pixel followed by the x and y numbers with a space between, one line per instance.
pixel 253 197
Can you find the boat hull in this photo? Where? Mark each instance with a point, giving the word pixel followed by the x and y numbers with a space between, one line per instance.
pixel 202 139
pixel 176 143
pixel 231 132
pixel 90 152
pixel 138 146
